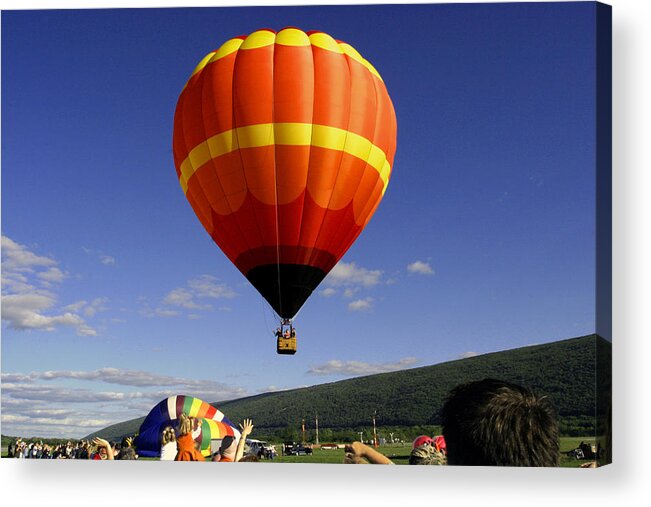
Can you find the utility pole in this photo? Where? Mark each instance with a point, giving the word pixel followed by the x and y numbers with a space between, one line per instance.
pixel 375 444
pixel 303 429
pixel 360 436
pixel 317 428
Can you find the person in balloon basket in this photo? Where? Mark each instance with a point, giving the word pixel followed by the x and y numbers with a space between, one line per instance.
pixel 187 450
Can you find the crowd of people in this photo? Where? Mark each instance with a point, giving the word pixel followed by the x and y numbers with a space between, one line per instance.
pixel 96 449
pixel 484 423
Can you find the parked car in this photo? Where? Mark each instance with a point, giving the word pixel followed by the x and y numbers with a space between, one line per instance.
pixel 259 448
pixel 584 451
pixel 296 449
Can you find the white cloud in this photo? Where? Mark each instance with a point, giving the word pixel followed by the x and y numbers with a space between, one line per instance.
pixel 206 286
pixel 25 311
pixel 119 376
pixel 28 302
pixel 95 306
pixel 183 298
pixel 420 267
pixel 53 275
pixel 466 355
pixel 107 260
pixel 360 305
pixel 350 292
pixel 349 274
pixel 27 418
pixel 349 279
pixel 16 257
pixel 75 307
pixel 37 403
pixel 356 368
pixel 271 389
pixel 88 309
pixel 193 296
pixel 162 312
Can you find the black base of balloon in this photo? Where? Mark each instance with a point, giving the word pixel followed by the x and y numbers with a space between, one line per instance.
pixel 296 284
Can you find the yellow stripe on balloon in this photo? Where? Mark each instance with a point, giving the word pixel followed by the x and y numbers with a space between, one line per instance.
pixel 292 134
pixel 286 37
pixel 384 175
pixel 228 47
pixel 194 408
pixel 292 37
pixel 259 39
pixel 255 136
pixel 204 61
pixel 324 41
pixel 329 137
pixel 214 428
pixel 287 134
pixel 353 53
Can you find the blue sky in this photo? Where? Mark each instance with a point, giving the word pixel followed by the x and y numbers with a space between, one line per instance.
pixel 114 297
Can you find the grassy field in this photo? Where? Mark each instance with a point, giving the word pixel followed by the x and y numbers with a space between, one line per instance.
pixel 400 454
pixel 569 443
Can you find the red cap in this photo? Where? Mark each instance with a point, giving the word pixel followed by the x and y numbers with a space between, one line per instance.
pixel 422 440
pixel 439 443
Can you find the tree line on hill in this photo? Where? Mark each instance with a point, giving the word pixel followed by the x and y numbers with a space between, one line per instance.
pixel 566 371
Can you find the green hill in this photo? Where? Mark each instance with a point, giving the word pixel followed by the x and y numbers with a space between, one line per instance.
pixel 565 371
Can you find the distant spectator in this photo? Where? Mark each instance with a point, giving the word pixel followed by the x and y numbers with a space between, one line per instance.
pixel 104 449
pixel 422 440
pixel 127 451
pixel 168 448
pixel 427 454
pixel 246 428
pixel 227 450
pixel 83 450
pixel 440 445
pixel 496 423
pixel 186 448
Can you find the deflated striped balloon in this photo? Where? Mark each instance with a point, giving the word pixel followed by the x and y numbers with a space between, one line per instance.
pixel 214 425
pixel 283 145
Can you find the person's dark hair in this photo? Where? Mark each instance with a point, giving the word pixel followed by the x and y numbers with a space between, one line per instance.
pixel 495 423
pixel 127 453
pixel 250 458
pixel 227 441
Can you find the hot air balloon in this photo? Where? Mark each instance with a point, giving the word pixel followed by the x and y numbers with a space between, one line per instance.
pixel 214 425
pixel 283 145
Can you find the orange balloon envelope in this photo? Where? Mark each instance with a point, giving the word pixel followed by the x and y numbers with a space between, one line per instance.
pixel 283 145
